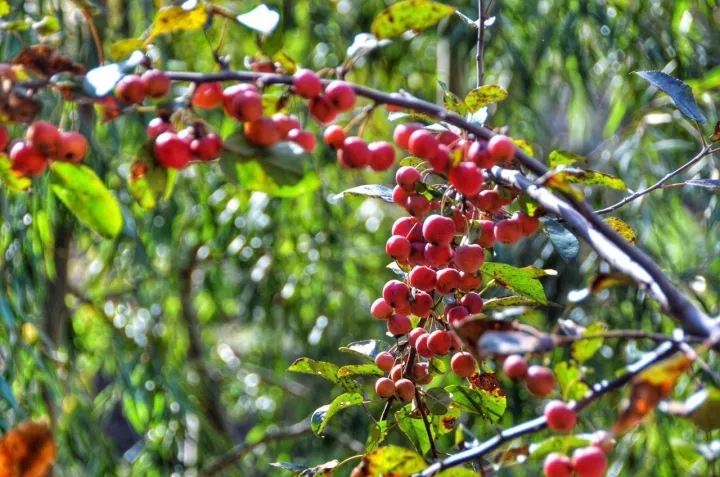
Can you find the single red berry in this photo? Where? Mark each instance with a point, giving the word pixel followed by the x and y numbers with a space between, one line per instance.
pixel 448 138
pixel 396 372
pixel 501 148
pixel 420 371
pixel 415 334
pixel 229 94
pixel 408 227
pixel 307 84
pixel 156 83
pixel 262 132
pixel 589 462
pixel 405 390
pixel 479 154
pixel 334 136
pixel 157 126
pixel 341 95
pixel 529 225
pixel 208 95
pixel 463 364
pixel 488 201
pixel 71 147
pixel 440 160
pixel 421 345
pixel 423 144
pixel 515 367
pixel 456 314
pixel 508 231
pixel 438 230
pixel 322 110
pixel 399 195
pixel 401 135
pixel 422 277
pixel 417 253
pixel 207 148
pixel 467 178
pixel 447 281
pixel 439 342
pixel 171 151
pixel 382 156
pixel 385 361
pixel 486 238
pixel 396 293
pixel 473 302
pixel 399 325
pixel 540 381
pixel 354 153
pixel 470 281
pixel 302 138
pixel 381 310
pixel 557 465
pixel 418 205
pixel 130 89
pixel 285 123
pixel 385 388
pixel 559 416
pixel 438 255
pixel 44 137
pixel 406 177
pixel 398 247
pixel 469 258
pixel 27 160
pixel 422 304
pixel 247 106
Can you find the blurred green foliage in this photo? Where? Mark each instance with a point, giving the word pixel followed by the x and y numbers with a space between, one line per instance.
pixel 173 339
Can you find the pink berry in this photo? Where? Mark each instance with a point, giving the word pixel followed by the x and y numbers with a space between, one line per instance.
pixel 501 148
pixel 423 278
pixel 341 95
pixel 469 258
pixel 560 418
pixel 399 325
pixel 515 367
pixel 467 178
pixel 396 293
pixel 422 144
pixel 447 281
pixel 385 361
pixel 307 84
pixel 589 462
pixel 439 342
pixel 398 247
pixel 557 465
pixel 382 156
pixel 438 230
pixel 401 135
pixel 473 302
pixel 381 310
pixel 463 364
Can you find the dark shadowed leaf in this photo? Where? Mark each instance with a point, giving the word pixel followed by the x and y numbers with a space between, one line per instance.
pixel 86 196
pixel 261 19
pixel 414 428
pixel 437 400
pixel 370 190
pixel 319 368
pixel 321 416
pixel 407 15
pixel 100 81
pixel 564 242
pixel 592 178
pixel 585 349
pixel 622 228
pixel 367 349
pixel 712 184
pixel 490 405
pixel 516 279
pixel 484 95
pixel 680 93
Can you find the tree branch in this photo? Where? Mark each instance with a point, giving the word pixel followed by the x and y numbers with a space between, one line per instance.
pixel 481 43
pixel 598 390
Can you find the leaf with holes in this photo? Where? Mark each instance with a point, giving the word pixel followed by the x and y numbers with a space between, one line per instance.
pixel 319 368
pixel 176 18
pixel 622 228
pixel 444 423
pixel 516 279
pixel 679 92
pixel 360 370
pixel 408 15
pixel 484 95
pixel 490 405
pixel 391 461
pixel 321 416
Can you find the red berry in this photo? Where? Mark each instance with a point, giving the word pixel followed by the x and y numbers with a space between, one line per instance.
pixel 408 227
pixel 401 135
pixel 229 94
pixel 421 373
pixel 262 132
pixel 469 258
pixel 405 390
pixel 354 153
pixel 71 147
pixel 560 418
pixel 27 160
pixel 396 372
pixel 422 304
pixel 396 293
pixel 415 334
pixel 422 144
pixel 4 138
pixel 501 148
pixel 486 237
pixel 398 247
pixel 463 364
pixel 302 138
pixel 381 310
pixel 385 361
pixel 417 253
pixel 508 231
pixel 322 110
pixel 467 178
pixel 470 281
pixel 382 156
pixel 208 95
pixel 44 137
pixel 385 388
pixel 247 106
pixel 399 195
pixel 448 138
pixel 479 154
pixel 589 462
pixel 421 345
pixel 157 126
pixel 439 342
pixel 418 205
pixel 422 277
pixel 406 177
pixel 334 136
pixel 487 200
pixel 156 83
pixel 399 325
pixel 130 89
pixel 447 281
pixel 171 151
pixel 307 84
pixel 440 160
pixel 456 314
pixel 515 367
pixel 603 440
pixel 438 230
pixel 528 225
pixel 285 123
pixel 473 302
pixel 437 255
pixel 207 148
pixel 341 95
pixel 540 381
pixel 557 465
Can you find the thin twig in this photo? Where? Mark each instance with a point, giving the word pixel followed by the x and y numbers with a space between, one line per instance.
pixel 481 43
pixel 703 152
pixel 539 423
pixel 626 334
pixel 95 36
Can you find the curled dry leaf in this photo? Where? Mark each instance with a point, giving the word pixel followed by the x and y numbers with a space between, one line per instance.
pixel 27 451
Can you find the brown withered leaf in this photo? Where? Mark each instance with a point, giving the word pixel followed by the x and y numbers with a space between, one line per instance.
pixel 485 337
pixel 487 382
pixel 27 451
pixel 18 107
pixel 601 281
pixel 45 60
pixel 716 134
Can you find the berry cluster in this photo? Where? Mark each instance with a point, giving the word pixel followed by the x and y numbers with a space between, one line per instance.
pixel 539 380
pixel 588 461
pixel 43 142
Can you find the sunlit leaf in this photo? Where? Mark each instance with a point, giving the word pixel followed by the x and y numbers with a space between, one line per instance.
pixel 9 178
pixel 491 405
pixel 585 349
pixel 592 178
pixel 407 15
pixel 175 18
pixel 261 19
pixel 318 368
pixel 679 92
pixel 445 423
pixel 364 42
pixel 414 428
pixel 123 48
pixel 371 190
pixel 360 370
pixel 508 301
pixel 516 279
pixel 569 379
pixel 524 146
pixel 601 281
pixel 377 435
pixel 391 461
pixel 321 416
pixel 4 8
pixel 561 444
pixel 564 158
pixel 48 25
pixel 621 228
pixel 86 196
pixel 367 349
pixel 484 95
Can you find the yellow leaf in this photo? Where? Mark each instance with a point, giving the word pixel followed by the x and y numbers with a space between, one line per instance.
pixel 4 8
pixel 524 146
pixel 484 95
pixel 175 18
pixel 120 50
pixel 622 228
pixel 407 15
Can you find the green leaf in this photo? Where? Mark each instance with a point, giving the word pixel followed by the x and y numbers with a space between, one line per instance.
pixel 370 190
pixel 99 82
pixel 437 367
pixel 261 19
pixel 622 228
pixel 86 196
pixel 712 184
pixel 176 18
pixel 278 171
pixel 679 92
pixel 394 461
pixel 438 401
pixel 490 405
pixel 8 177
pixel 377 435
pixel 537 272
pixel 516 279
pixel 564 158
pixel 458 472
pixel 320 368
pixel 123 48
pixel 564 242
pixel 44 227
pixel 360 370
pixel 592 178
pixel 407 15
pixel 442 424
pixel 569 379
pixel 4 8
pixel 704 409
pixel 414 428
pixel 46 26
pixel 484 95
pixel 561 444
pixel 416 162
pixel 451 101
pixel 367 349
pixel 148 181
pixel 321 416
pixel 509 301
pixel 586 349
